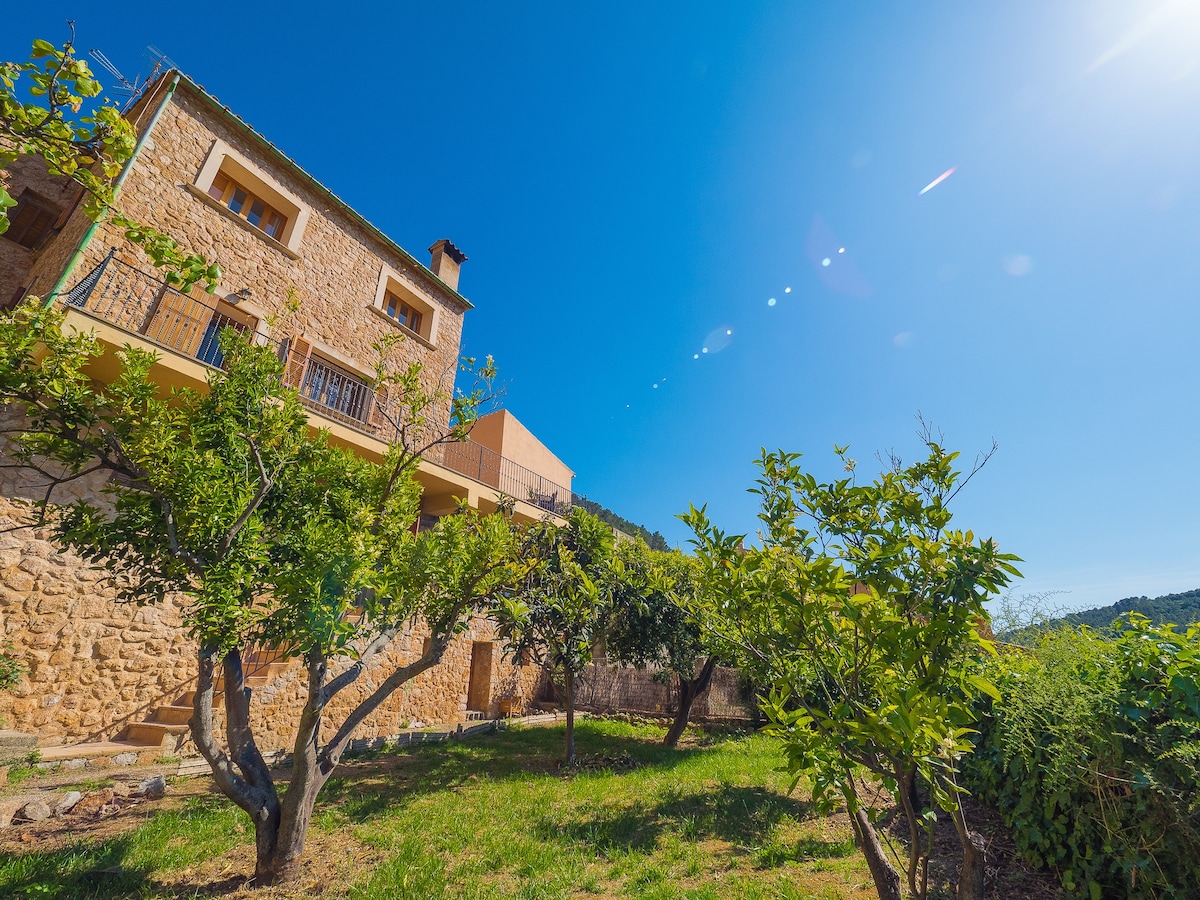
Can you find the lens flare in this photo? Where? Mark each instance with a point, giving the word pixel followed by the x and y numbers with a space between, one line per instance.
pixel 929 187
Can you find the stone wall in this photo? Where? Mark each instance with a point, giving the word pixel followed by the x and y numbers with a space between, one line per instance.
pixel 97 664
pixel 607 688
pixel 16 262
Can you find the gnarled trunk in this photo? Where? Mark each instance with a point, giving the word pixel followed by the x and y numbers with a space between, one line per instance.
pixel 689 690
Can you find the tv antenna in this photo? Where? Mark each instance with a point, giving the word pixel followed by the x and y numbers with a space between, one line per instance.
pixel 161 61
pixel 123 85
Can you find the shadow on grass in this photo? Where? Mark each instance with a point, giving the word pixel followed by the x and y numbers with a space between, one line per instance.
pixel 742 816
pixel 79 871
pixel 387 780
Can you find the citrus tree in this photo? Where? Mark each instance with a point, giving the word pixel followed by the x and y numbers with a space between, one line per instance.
pixel 560 608
pixel 861 609
pixel 651 624
pixel 270 535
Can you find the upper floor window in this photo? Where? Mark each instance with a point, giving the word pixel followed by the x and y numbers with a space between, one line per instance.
pixel 252 208
pixel 402 312
pixel 31 220
pixel 239 187
pixel 396 300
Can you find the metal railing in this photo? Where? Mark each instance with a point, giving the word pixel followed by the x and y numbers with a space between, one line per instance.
pixel 486 466
pixel 141 304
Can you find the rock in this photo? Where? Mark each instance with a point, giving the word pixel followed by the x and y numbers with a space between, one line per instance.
pixel 124 759
pixel 121 790
pixel 109 809
pixel 67 803
pixel 152 788
pixel 35 811
pixel 8 809
pixel 93 802
pixel 74 763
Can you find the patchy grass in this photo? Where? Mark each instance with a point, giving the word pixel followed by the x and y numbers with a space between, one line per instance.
pixel 494 817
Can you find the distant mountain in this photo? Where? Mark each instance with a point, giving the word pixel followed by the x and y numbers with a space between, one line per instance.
pixel 1178 609
pixel 655 540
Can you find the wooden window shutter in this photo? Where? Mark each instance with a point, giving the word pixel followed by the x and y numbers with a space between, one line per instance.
pixel 294 367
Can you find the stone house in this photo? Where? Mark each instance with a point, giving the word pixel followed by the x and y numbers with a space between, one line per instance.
pixel 100 670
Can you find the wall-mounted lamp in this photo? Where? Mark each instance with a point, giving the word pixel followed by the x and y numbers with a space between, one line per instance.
pixel 237 296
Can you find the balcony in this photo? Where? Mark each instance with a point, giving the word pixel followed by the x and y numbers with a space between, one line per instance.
pixel 139 304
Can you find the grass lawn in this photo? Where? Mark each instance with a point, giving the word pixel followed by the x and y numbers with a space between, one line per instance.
pixel 492 817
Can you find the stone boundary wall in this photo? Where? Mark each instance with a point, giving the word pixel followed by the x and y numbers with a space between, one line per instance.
pixel 607 688
pixel 97 665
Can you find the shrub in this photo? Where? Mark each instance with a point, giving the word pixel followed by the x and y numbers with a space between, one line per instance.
pixel 1093 757
pixel 11 668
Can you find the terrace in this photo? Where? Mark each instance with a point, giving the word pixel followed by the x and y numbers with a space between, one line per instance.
pixel 187 328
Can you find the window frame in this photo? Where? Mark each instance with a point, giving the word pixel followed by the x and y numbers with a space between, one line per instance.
pixel 392 287
pixel 238 172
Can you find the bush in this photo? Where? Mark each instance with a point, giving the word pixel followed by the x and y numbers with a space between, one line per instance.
pixel 11 668
pixel 1093 757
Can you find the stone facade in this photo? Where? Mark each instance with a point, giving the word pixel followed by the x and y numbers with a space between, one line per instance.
pixel 97 665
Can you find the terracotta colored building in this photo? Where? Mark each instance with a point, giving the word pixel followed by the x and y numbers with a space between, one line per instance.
pixel 100 670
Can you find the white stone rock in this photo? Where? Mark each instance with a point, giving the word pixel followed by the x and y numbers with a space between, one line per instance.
pixel 67 803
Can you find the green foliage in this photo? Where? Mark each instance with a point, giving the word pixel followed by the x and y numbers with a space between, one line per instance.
pixel 561 606
pixel 11 668
pixel 650 623
pixel 268 532
pixel 1092 753
pixel 90 144
pixel 860 609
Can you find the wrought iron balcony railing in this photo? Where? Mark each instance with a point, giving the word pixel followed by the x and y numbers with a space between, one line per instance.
pixel 141 304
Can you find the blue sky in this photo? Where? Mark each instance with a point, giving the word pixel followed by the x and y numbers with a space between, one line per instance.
pixel 636 182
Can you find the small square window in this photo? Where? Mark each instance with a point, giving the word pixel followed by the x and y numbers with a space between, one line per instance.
pixel 31 220
pixel 240 201
pixel 402 313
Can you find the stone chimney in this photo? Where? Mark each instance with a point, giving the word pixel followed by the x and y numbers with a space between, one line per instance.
pixel 446 260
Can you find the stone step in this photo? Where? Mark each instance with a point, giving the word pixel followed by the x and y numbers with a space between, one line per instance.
pixel 93 750
pixel 154 734
pixel 172 715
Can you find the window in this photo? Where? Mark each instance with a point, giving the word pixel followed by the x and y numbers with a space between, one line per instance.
pixel 240 188
pixel 332 390
pixel 31 220
pixel 397 299
pixel 242 202
pixel 402 312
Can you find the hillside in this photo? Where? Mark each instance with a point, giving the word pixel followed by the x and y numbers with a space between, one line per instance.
pixel 655 540
pixel 1179 609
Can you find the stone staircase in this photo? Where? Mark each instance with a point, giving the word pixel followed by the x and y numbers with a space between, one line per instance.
pixel 165 728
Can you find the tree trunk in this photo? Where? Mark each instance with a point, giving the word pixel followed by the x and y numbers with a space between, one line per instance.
pixel 971 876
pixel 279 859
pixel 918 858
pixel 569 690
pixel 886 878
pixel 689 690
